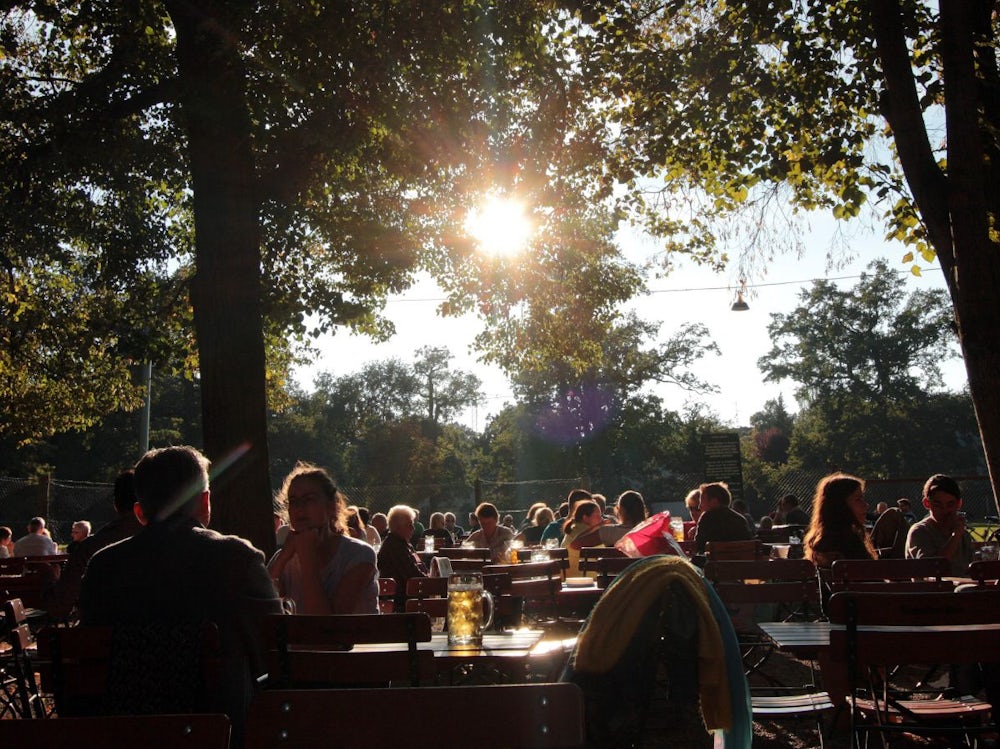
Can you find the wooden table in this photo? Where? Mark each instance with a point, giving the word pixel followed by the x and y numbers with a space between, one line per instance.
pixel 513 655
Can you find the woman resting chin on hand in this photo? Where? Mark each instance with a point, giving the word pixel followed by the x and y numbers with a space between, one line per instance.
pixel 320 567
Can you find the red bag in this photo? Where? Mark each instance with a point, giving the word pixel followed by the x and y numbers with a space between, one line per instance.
pixel 651 536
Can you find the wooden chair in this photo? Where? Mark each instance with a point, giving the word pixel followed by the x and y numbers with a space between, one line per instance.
pixel 26 586
pixel 91 670
pixel 536 584
pixel 309 651
pixel 736 550
pixel 190 731
pixel 386 595
pixel 771 590
pixel 520 716
pixel 590 554
pixel 469 565
pixel 891 575
pixel 885 630
pixel 20 690
pixel 608 568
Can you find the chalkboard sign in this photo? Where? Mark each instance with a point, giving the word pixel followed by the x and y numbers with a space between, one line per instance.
pixel 722 460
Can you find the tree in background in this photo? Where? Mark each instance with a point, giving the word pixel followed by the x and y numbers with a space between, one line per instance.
pixel 730 118
pixel 866 363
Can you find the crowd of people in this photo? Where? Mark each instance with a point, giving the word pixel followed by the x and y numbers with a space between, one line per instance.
pixel 159 561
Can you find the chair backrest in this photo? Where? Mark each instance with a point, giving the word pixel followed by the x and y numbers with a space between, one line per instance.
pixel 954 627
pixel 735 550
pixel 189 731
pixel 773 580
pixel 522 716
pixel 590 554
pixel 460 552
pixel 305 651
pixel 469 565
pixel 27 586
pixel 18 672
pixel 891 575
pixel 386 594
pixel 552 568
pixel 984 572
pixel 130 670
pixel 608 568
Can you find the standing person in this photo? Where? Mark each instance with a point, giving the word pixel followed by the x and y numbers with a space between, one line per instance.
pixel 491 535
pixel 837 530
pixel 175 572
pixel 37 543
pixel 719 521
pixel 321 567
pixel 60 595
pixel 942 533
pixel 397 558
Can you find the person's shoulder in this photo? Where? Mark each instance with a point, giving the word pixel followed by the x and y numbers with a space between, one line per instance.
pixel 359 548
pixel 228 545
pixel 506 531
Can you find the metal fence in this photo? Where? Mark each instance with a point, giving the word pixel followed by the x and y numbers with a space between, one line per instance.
pixel 62 503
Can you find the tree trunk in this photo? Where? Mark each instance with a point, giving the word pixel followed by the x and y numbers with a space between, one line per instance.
pixel 226 286
pixel 954 208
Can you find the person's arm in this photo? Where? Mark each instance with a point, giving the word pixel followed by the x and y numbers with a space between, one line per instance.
pixel 351 587
pixel 305 546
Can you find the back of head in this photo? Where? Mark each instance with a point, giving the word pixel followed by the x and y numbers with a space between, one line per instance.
pixel 631 508
pixel 5 533
pixel 399 516
pixel 36 524
pixel 544 516
pixel 943 483
pixel 487 510
pixel 717 491
pixel 576 495
pixel 436 520
pixel 124 498
pixel 169 481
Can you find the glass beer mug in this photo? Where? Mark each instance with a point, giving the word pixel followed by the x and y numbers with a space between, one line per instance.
pixel 466 617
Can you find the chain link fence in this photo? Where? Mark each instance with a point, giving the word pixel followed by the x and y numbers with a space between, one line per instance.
pixel 62 503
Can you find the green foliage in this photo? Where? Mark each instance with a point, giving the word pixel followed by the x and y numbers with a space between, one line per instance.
pixel 871 342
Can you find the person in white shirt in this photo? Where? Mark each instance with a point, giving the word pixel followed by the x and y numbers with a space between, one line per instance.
pixel 37 543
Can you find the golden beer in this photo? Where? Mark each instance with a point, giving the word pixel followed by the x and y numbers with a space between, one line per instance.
pixel 466 617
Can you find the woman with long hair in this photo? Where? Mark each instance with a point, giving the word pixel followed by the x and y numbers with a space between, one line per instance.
pixel 582 528
pixel 630 508
pixel 837 529
pixel 320 566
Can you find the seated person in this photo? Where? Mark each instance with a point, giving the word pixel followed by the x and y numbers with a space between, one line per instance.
pixel 6 542
pixel 580 530
pixel 630 510
pixel 320 566
pixel 450 523
pixel 176 573
pixel 442 536
pixel 719 521
pixel 789 512
pixel 942 533
pixel 532 535
pixel 837 530
pixel 37 543
pixel 396 557
pixel 491 535
pixel 693 504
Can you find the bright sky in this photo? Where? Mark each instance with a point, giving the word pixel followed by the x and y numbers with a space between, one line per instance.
pixel 689 294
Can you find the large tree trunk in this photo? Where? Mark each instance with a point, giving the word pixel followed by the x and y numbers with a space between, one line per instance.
pixel 955 208
pixel 226 286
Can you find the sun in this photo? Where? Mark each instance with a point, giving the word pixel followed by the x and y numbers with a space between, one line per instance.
pixel 500 226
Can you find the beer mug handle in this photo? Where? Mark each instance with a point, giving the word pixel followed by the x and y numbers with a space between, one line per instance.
pixel 487 596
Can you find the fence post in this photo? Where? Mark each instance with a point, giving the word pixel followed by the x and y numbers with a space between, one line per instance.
pixel 477 489
pixel 43 495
